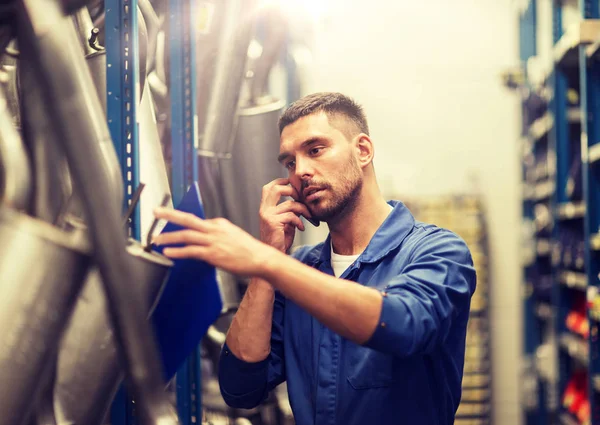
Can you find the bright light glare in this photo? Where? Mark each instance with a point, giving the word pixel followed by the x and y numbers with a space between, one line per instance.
pixel 311 9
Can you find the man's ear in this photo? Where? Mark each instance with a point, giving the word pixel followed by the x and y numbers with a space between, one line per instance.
pixel 364 149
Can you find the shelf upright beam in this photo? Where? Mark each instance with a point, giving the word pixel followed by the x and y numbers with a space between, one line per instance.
pixel 122 85
pixel 183 96
pixel 184 136
pixel 536 413
pixel 589 77
pixel 560 144
pixel 122 79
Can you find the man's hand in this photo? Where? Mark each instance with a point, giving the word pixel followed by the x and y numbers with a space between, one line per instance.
pixel 278 222
pixel 217 241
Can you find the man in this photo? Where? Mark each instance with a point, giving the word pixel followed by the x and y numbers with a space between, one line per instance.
pixel 367 327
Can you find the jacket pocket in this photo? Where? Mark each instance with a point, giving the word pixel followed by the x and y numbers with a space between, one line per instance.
pixel 368 368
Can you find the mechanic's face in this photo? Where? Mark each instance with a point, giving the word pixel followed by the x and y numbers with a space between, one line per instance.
pixel 322 166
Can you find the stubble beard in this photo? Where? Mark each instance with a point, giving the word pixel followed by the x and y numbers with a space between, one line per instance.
pixel 340 202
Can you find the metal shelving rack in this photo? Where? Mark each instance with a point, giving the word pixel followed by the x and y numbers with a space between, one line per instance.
pixel 184 170
pixel 561 153
pixel 538 189
pixel 122 101
pixel 122 86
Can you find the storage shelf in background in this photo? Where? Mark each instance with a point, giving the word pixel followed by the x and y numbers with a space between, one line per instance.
pixel 526 145
pixel 576 347
pixel 528 192
pixel 595 241
pixel 482 399
pixel 571 210
pixel 543 247
pixel 472 382
pixel 573 280
pixel 482 368
pixel 544 190
pixel 574 115
pixel 584 32
pixel 596 383
pixel 540 127
pixel 473 419
pixel 594 153
pixel 474 410
pixel 567 419
pixel 544 311
pixel 544 375
pixel 542 172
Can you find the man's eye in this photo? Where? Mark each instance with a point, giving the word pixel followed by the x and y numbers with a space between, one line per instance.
pixel 314 151
pixel 289 165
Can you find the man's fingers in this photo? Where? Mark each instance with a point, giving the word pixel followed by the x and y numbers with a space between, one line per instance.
pixel 292 218
pixel 295 194
pixel 183 219
pixel 273 191
pixel 182 237
pixel 191 251
pixel 293 206
pixel 278 182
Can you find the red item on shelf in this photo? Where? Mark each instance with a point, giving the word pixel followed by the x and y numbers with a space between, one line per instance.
pixel 578 400
pixel 583 413
pixel 570 394
pixel 576 394
pixel 584 329
pixel 574 321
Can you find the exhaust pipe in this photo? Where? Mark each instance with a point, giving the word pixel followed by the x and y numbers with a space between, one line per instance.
pixel 51 40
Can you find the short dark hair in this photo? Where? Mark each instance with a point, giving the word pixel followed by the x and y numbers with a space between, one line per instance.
pixel 333 104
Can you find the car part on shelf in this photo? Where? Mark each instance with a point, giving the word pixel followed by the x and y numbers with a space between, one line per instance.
pixel 220 105
pixel 232 175
pixel 88 372
pixel 51 40
pixel 8 77
pixel 15 171
pixel 36 303
pixel 95 55
pixel 53 190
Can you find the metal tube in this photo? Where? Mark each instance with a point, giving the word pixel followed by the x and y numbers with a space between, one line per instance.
pixel 14 163
pixel 230 67
pixel 50 39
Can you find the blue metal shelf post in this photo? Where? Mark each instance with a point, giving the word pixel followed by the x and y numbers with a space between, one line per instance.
pixel 560 142
pixel 536 414
pixel 184 167
pixel 122 77
pixel 589 71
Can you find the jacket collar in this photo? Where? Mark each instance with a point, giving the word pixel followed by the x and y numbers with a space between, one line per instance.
pixel 389 236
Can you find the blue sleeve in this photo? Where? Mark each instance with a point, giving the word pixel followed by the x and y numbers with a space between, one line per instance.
pixel 421 304
pixel 246 385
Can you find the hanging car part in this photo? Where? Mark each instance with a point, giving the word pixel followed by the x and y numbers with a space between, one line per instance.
pixel 51 40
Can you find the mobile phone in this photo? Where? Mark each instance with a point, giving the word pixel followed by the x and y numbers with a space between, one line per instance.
pixel 313 221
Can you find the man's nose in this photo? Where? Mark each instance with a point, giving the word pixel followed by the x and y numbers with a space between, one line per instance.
pixel 304 168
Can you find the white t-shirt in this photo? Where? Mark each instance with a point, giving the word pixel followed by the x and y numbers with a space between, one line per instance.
pixel 339 263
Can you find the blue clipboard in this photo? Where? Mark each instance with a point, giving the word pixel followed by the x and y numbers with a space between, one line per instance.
pixel 190 302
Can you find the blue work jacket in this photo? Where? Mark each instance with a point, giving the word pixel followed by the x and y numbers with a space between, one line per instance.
pixel 410 370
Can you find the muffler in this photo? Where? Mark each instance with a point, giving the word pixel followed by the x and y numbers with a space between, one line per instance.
pixel 88 372
pixel 42 269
